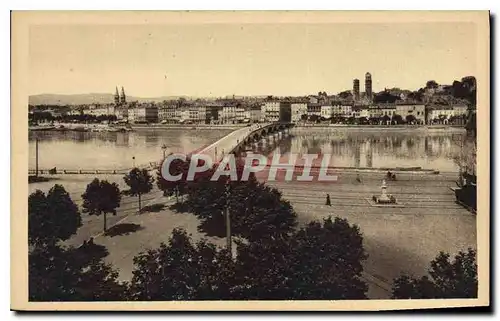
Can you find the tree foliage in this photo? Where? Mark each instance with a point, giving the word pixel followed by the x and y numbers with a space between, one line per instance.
pixel 410 119
pixel 256 210
pixel 397 119
pixel 448 279
pixel 65 274
pixel 319 261
pixel 140 182
pixel 101 197
pixel 177 188
pixel 181 270
pixel 385 97
pixel 53 217
pixel 431 84
pixel 74 274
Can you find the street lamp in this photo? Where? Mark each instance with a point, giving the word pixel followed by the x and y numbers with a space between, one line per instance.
pixel 133 161
pixel 164 149
pixel 228 220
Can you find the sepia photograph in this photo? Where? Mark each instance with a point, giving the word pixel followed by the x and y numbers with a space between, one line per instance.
pixel 250 160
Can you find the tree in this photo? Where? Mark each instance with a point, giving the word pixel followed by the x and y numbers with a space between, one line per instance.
pixel 177 167
pixel 431 84
pixel 74 274
pixel 101 197
pixel 64 274
pixel 397 119
pixel 385 97
pixel 52 218
pixel 386 118
pixel 374 120
pixel 181 270
pixel 364 121
pixel 256 210
pixel 410 119
pixel 140 182
pixel 317 262
pixel 345 94
pixel 314 118
pixel 448 280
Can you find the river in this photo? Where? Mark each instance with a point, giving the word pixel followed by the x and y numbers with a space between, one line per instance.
pixel 349 147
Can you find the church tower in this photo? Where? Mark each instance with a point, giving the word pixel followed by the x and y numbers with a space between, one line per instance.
pixel 123 98
pixel 117 97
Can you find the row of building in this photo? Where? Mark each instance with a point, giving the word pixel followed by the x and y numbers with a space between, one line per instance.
pixel 271 111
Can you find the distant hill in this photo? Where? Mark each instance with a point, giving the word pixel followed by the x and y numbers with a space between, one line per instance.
pixel 81 99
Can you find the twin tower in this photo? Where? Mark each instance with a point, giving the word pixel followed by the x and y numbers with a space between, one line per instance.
pixel 368 87
pixel 120 99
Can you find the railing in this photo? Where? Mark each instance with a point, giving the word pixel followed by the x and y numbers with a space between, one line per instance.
pixel 57 171
pixel 78 171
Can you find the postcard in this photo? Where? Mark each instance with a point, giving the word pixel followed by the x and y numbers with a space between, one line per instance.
pixel 250 161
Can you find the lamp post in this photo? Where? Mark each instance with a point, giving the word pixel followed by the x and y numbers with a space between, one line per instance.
pixel 133 161
pixel 164 149
pixel 228 221
pixel 36 153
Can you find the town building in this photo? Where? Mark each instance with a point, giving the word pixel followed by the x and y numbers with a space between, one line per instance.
pixel 123 98
pixel 313 110
pixel 271 111
pixel 184 115
pixel 117 96
pixel 382 110
pixel 144 113
pixel 355 89
pixel 326 111
pixel 232 114
pixel 460 109
pixel 360 112
pixel 368 86
pixel 298 109
pixel 341 110
pixel 167 112
pixel 197 114
pixel 285 114
pixel 100 110
pixel 121 113
pixel 120 99
pixel 212 111
pixel 253 113
pixel 412 112
pixel 446 114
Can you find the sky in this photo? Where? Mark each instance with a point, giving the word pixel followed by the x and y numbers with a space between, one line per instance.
pixel 246 59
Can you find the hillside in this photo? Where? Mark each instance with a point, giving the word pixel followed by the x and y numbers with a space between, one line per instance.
pixel 81 99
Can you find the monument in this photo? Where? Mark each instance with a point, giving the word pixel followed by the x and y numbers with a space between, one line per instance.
pixel 384 198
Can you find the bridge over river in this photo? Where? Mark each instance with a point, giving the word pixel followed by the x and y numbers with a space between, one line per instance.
pixel 235 142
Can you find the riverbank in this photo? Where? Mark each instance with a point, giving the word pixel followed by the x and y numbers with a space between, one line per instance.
pixel 99 127
pixel 429 128
pixel 189 127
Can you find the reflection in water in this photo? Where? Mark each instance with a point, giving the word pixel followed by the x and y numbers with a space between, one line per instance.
pixel 103 150
pixel 81 150
pixel 351 148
